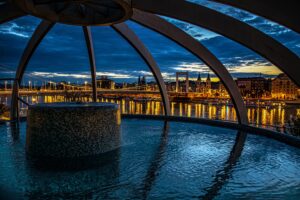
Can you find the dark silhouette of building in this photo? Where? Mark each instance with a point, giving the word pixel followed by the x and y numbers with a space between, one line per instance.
pixel 105 83
pixel 142 83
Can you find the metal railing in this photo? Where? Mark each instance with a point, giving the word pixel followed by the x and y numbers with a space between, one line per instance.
pixel 290 130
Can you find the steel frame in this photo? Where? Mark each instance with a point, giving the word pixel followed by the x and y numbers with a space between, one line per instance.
pixel 198 15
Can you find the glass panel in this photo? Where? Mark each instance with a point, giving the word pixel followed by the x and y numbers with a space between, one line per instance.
pixel 14 36
pixel 135 88
pixel 59 69
pixel 284 35
pixel 271 102
pixel 204 96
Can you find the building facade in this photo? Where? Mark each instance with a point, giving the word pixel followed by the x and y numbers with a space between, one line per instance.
pixel 254 87
pixel 284 88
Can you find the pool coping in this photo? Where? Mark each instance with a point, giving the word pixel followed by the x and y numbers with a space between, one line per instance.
pixel 284 138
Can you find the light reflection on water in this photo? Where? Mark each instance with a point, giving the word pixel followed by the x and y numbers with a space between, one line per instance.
pixel 160 160
pixel 274 116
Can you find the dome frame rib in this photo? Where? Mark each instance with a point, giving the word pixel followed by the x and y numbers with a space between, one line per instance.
pixel 90 47
pixel 186 41
pixel 282 12
pixel 198 15
pixel 229 27
pixel 41 31
pixel 142 50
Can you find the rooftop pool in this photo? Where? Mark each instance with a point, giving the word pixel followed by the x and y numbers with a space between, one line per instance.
pixel 158 160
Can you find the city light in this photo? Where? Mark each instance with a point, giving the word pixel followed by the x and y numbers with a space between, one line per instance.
pixel 207 93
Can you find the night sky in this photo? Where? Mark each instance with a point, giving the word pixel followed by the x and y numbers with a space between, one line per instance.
pixel 63 55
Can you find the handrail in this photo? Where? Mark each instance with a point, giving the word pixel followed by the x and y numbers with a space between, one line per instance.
pixel 21 100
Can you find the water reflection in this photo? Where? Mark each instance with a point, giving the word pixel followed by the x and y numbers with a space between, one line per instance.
pixel 15 131
pixel 224 174
pixel 72 179
pixel 156 163
pixel 262 116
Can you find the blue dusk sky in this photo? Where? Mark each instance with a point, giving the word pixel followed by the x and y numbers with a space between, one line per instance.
pixel 62 55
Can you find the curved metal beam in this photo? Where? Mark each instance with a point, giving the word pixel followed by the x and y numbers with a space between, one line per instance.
pixel 137 44
pixel 167 29
pixel 232 28
pixel 282 12
pixel 90 47
pixel 9 12
pixel 40 32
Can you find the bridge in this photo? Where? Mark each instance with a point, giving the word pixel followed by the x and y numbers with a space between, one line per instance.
pixel 83 92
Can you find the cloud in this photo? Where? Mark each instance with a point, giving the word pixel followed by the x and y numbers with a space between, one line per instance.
pixel 14 29
pixel 255 69
pixel 53 75
pixel 197 32
pixel 22 27
pixel 143 73
pixel 115 75
pixel 191 67
pixel 79 76
pixel 63 54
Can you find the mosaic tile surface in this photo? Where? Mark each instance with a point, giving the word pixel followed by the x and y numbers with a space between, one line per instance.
pixel 68 130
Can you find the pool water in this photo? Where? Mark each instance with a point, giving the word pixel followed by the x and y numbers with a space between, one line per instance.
pixel 159 160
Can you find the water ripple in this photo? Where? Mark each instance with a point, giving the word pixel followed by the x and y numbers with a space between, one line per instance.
pixel 182 161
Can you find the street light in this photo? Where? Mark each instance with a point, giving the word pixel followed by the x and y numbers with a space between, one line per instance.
pixel 85 85
pixel 29 85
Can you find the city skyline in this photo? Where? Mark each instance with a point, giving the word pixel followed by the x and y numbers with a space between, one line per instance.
pixel 40 77
pixel 131 76
pixel 279 88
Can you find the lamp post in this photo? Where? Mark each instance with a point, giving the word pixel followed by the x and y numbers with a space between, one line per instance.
pixel 85 85
pixel 29 85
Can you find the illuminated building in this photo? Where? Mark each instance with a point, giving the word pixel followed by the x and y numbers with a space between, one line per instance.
pixel 254 87
pixel 142 83
pixel 179 87
pixel 199 85
pixel 218 89
pixel 284 88
pixel 208 84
